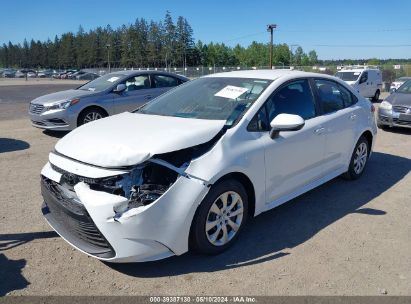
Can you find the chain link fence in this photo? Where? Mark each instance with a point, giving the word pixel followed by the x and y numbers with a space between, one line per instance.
pixel 390 72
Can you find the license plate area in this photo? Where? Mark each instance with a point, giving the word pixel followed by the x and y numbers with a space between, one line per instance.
pixel 405 117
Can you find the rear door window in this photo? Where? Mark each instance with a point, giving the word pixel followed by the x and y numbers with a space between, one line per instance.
pixel 163 81
pixel 330 95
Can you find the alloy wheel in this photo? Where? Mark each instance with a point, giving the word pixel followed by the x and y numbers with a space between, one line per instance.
pixel 92 116
pixel 360 158
pixel 224 218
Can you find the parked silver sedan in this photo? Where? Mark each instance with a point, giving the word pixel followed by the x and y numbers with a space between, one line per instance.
pixel 107 95
pixel 395 110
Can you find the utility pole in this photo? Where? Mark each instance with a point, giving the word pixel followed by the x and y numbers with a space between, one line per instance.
pixel 270 29
pixel 108 57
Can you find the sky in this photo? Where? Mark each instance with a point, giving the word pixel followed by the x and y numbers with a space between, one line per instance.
pixel 342 29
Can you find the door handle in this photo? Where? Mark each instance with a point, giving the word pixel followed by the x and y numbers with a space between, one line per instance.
pixel 319 131
pixel 148 96
pixel 353 116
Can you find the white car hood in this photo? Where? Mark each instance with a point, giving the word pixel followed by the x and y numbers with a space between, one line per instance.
pixel 351 83
pixel 130 138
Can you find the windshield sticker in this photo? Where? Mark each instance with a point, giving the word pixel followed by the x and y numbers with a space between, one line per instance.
pixel 357 73
pixel 112 79
pixel 231 92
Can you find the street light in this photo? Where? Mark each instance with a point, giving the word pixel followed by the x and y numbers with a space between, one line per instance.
pixel 108 56
pixel 270 29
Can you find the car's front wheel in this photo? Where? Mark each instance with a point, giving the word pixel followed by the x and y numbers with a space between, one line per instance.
pixel 89 115
pixel 220 217
pixel 359 159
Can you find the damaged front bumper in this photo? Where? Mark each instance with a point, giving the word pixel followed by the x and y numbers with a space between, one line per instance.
pixel 103 225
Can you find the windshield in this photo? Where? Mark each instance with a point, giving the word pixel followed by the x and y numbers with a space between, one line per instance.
pixel 348 76
pixel 405 88
pixel 215 98
pixel 102 83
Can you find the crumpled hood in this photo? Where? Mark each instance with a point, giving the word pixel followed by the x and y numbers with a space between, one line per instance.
pixel 62 95
pixel 131 138
pixel 397 98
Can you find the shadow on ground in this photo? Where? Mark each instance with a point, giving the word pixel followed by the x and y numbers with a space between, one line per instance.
pixel 56 134
pixel 404 131
pixel 10 145
pixel 9 241
pixel 11 276
pixel 270 235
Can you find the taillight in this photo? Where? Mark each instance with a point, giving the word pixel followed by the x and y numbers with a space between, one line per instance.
pixel 372 108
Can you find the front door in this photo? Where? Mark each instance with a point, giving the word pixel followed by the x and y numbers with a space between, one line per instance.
pixel 293 159
pixel 364 85
pixel 138 92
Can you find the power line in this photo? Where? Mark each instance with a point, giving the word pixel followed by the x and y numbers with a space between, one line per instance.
pixel 245 36
pixel 349 31
pixel 362 45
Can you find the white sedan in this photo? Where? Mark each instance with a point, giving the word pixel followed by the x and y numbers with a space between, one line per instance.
pixel 186 170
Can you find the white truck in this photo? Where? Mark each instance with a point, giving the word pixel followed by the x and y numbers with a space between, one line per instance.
pixel 367 80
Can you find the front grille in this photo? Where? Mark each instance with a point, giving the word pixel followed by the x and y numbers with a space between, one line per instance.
pixel 36 108
pixel 401 109
pixel 72 179
pixel 71 220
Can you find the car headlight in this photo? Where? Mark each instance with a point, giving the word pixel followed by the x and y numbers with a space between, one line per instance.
pixel 62 105
pixel 385 105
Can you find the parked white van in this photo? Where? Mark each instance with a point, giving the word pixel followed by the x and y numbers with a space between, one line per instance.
pixel 366 80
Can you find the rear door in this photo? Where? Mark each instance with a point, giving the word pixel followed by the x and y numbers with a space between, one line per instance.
pixel 138 91
pixel 340 114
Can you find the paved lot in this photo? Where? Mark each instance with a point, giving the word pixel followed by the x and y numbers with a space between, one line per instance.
pixel 14 96
pixel 344 238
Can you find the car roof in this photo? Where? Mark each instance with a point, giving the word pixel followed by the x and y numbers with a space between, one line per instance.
pixel 139 72
pixel 268 74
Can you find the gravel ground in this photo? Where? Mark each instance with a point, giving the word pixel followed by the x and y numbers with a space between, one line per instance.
pixel 343 238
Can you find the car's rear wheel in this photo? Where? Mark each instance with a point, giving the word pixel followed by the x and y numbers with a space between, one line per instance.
pixel 89 115
pixel 220 218
pixel 359 159
pixel 376 96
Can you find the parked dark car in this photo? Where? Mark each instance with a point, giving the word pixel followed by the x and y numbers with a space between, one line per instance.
pixel 9 73
pixel 87 76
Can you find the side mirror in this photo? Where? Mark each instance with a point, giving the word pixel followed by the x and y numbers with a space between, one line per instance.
pixel 120 88
pixel 362 80
pixel 286 122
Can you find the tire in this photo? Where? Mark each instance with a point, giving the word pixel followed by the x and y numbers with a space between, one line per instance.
pixel 89 115
pixel 211 240
pixel 376 96
pixel 358 160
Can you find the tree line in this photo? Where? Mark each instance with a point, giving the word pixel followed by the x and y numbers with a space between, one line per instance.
pixel 143 44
